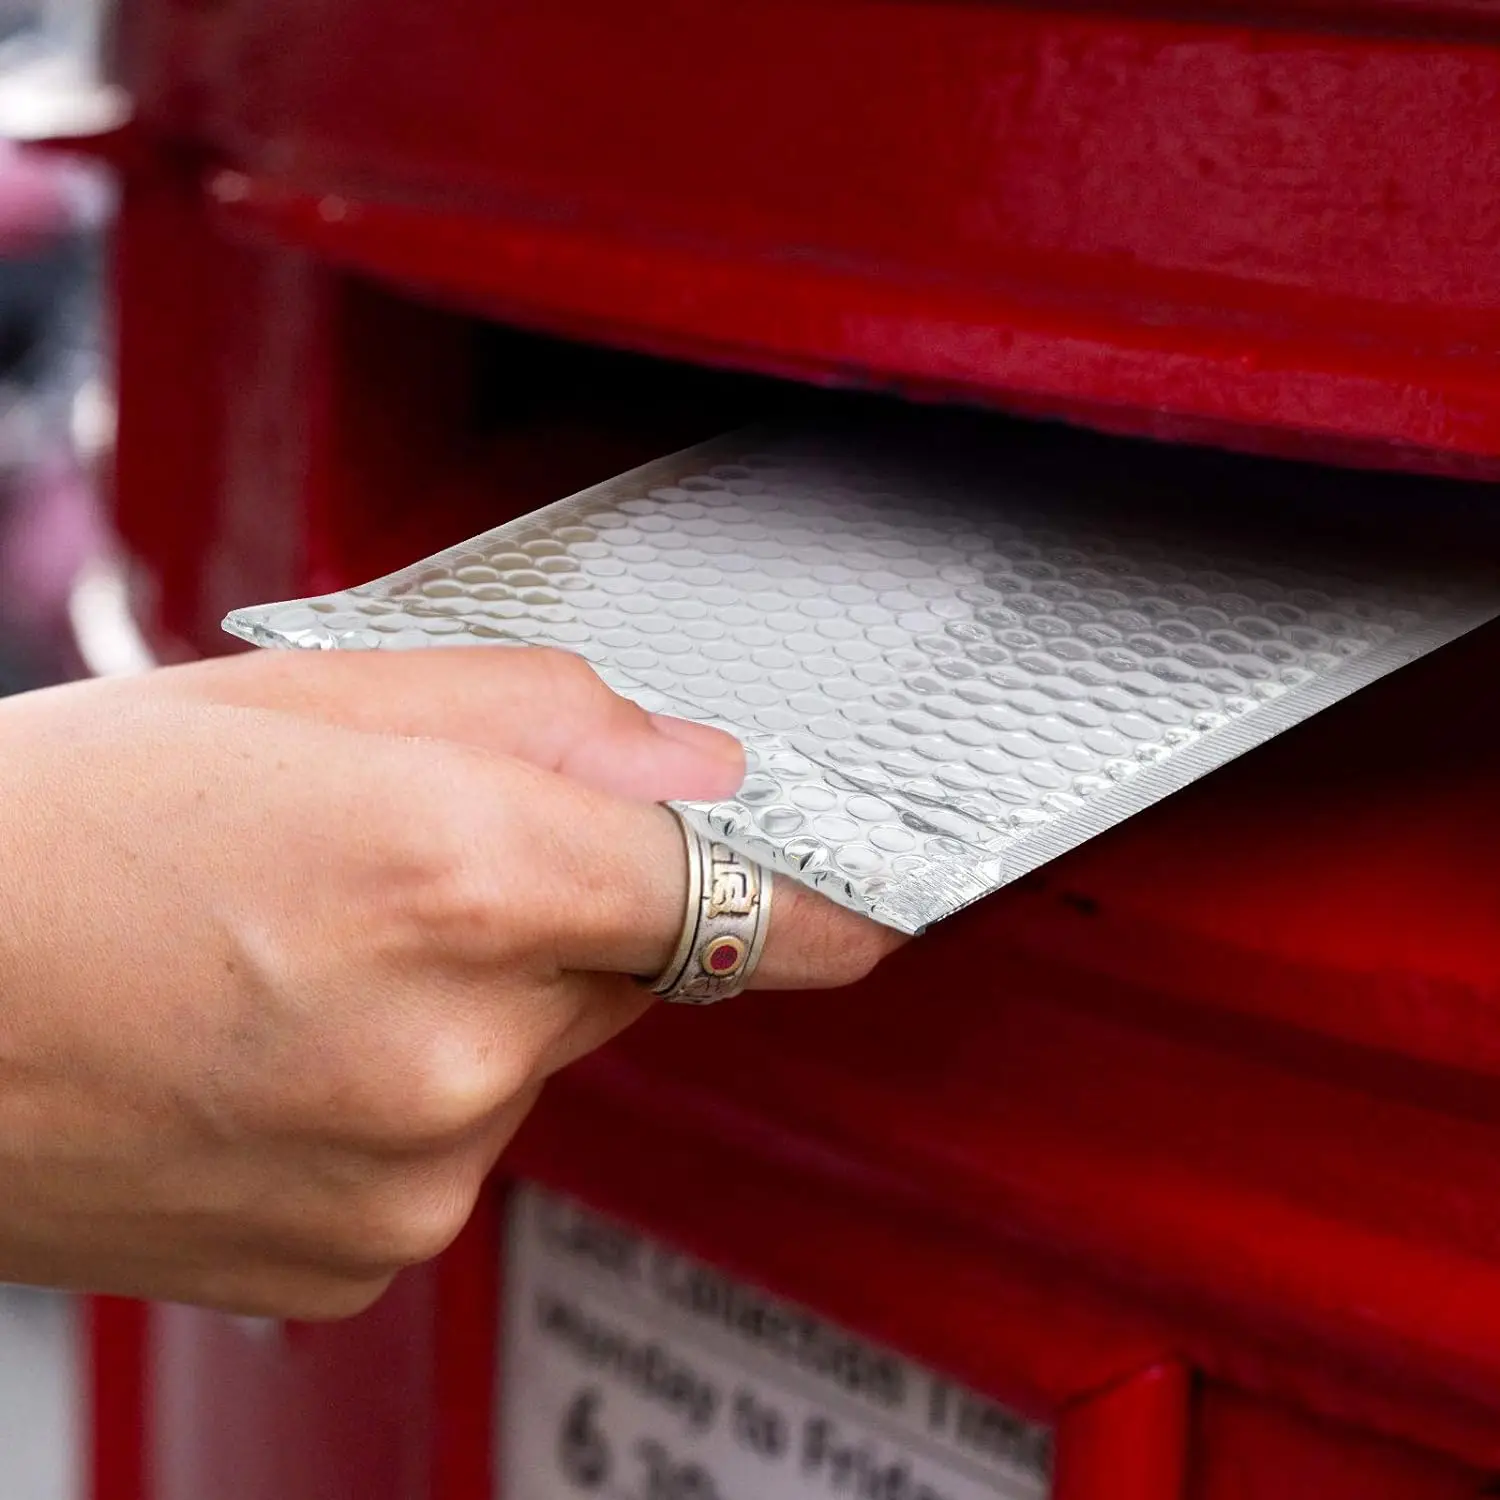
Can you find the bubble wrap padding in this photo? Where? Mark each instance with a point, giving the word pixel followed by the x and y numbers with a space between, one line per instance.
pixel 941 680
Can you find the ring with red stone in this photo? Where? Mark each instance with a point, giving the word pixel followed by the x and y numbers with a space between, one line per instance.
pixel 724 927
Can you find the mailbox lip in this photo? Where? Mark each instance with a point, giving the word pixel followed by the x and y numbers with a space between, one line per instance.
pixel 1132 218
pixel 1018 350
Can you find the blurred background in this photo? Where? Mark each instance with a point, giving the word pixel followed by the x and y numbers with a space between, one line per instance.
pixel 56 426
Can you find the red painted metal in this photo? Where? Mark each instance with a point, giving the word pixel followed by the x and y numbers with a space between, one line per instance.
pixel 1190 1143
pixel 1281 239
pixel 250 1410
pixel 466 1379
pixel 116 1399
pixel 1304 1459
pixel 1130 1442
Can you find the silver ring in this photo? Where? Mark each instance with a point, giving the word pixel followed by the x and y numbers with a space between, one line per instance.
pixel 725 925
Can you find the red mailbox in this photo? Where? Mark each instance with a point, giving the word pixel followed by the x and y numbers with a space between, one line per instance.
pixel 1172 1173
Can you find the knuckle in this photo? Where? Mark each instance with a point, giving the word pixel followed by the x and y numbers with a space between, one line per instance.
pixel 416 1224
pixel 568 673
pixel 334 1301
pixel 298 1295
pixel 450 891
pixel 575 689
pixel 422 1089
pixel 453 1084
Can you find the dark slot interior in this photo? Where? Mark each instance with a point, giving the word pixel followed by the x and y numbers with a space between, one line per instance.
pixel 446 425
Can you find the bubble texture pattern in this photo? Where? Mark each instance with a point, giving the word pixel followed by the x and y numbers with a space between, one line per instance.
pixel 941 680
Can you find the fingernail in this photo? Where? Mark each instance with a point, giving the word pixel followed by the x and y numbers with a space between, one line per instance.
pixel 700 737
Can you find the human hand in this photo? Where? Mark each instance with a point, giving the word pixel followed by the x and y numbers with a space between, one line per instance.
pixel 292 940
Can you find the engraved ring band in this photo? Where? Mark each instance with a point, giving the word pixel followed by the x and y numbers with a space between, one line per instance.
pixel 724 927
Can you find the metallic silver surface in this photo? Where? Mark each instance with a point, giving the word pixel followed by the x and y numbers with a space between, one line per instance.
pixel 692 842
pixel 944 674
pixel 725 925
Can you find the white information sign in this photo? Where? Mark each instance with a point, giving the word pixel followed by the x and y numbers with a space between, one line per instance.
pixel 632 1372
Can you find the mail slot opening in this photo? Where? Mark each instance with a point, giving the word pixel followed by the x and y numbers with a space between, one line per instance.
pixel 444 424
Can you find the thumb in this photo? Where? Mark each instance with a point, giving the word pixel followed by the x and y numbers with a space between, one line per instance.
pixel 535 704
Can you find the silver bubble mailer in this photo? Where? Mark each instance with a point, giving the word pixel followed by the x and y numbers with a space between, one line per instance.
pixel 944 672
